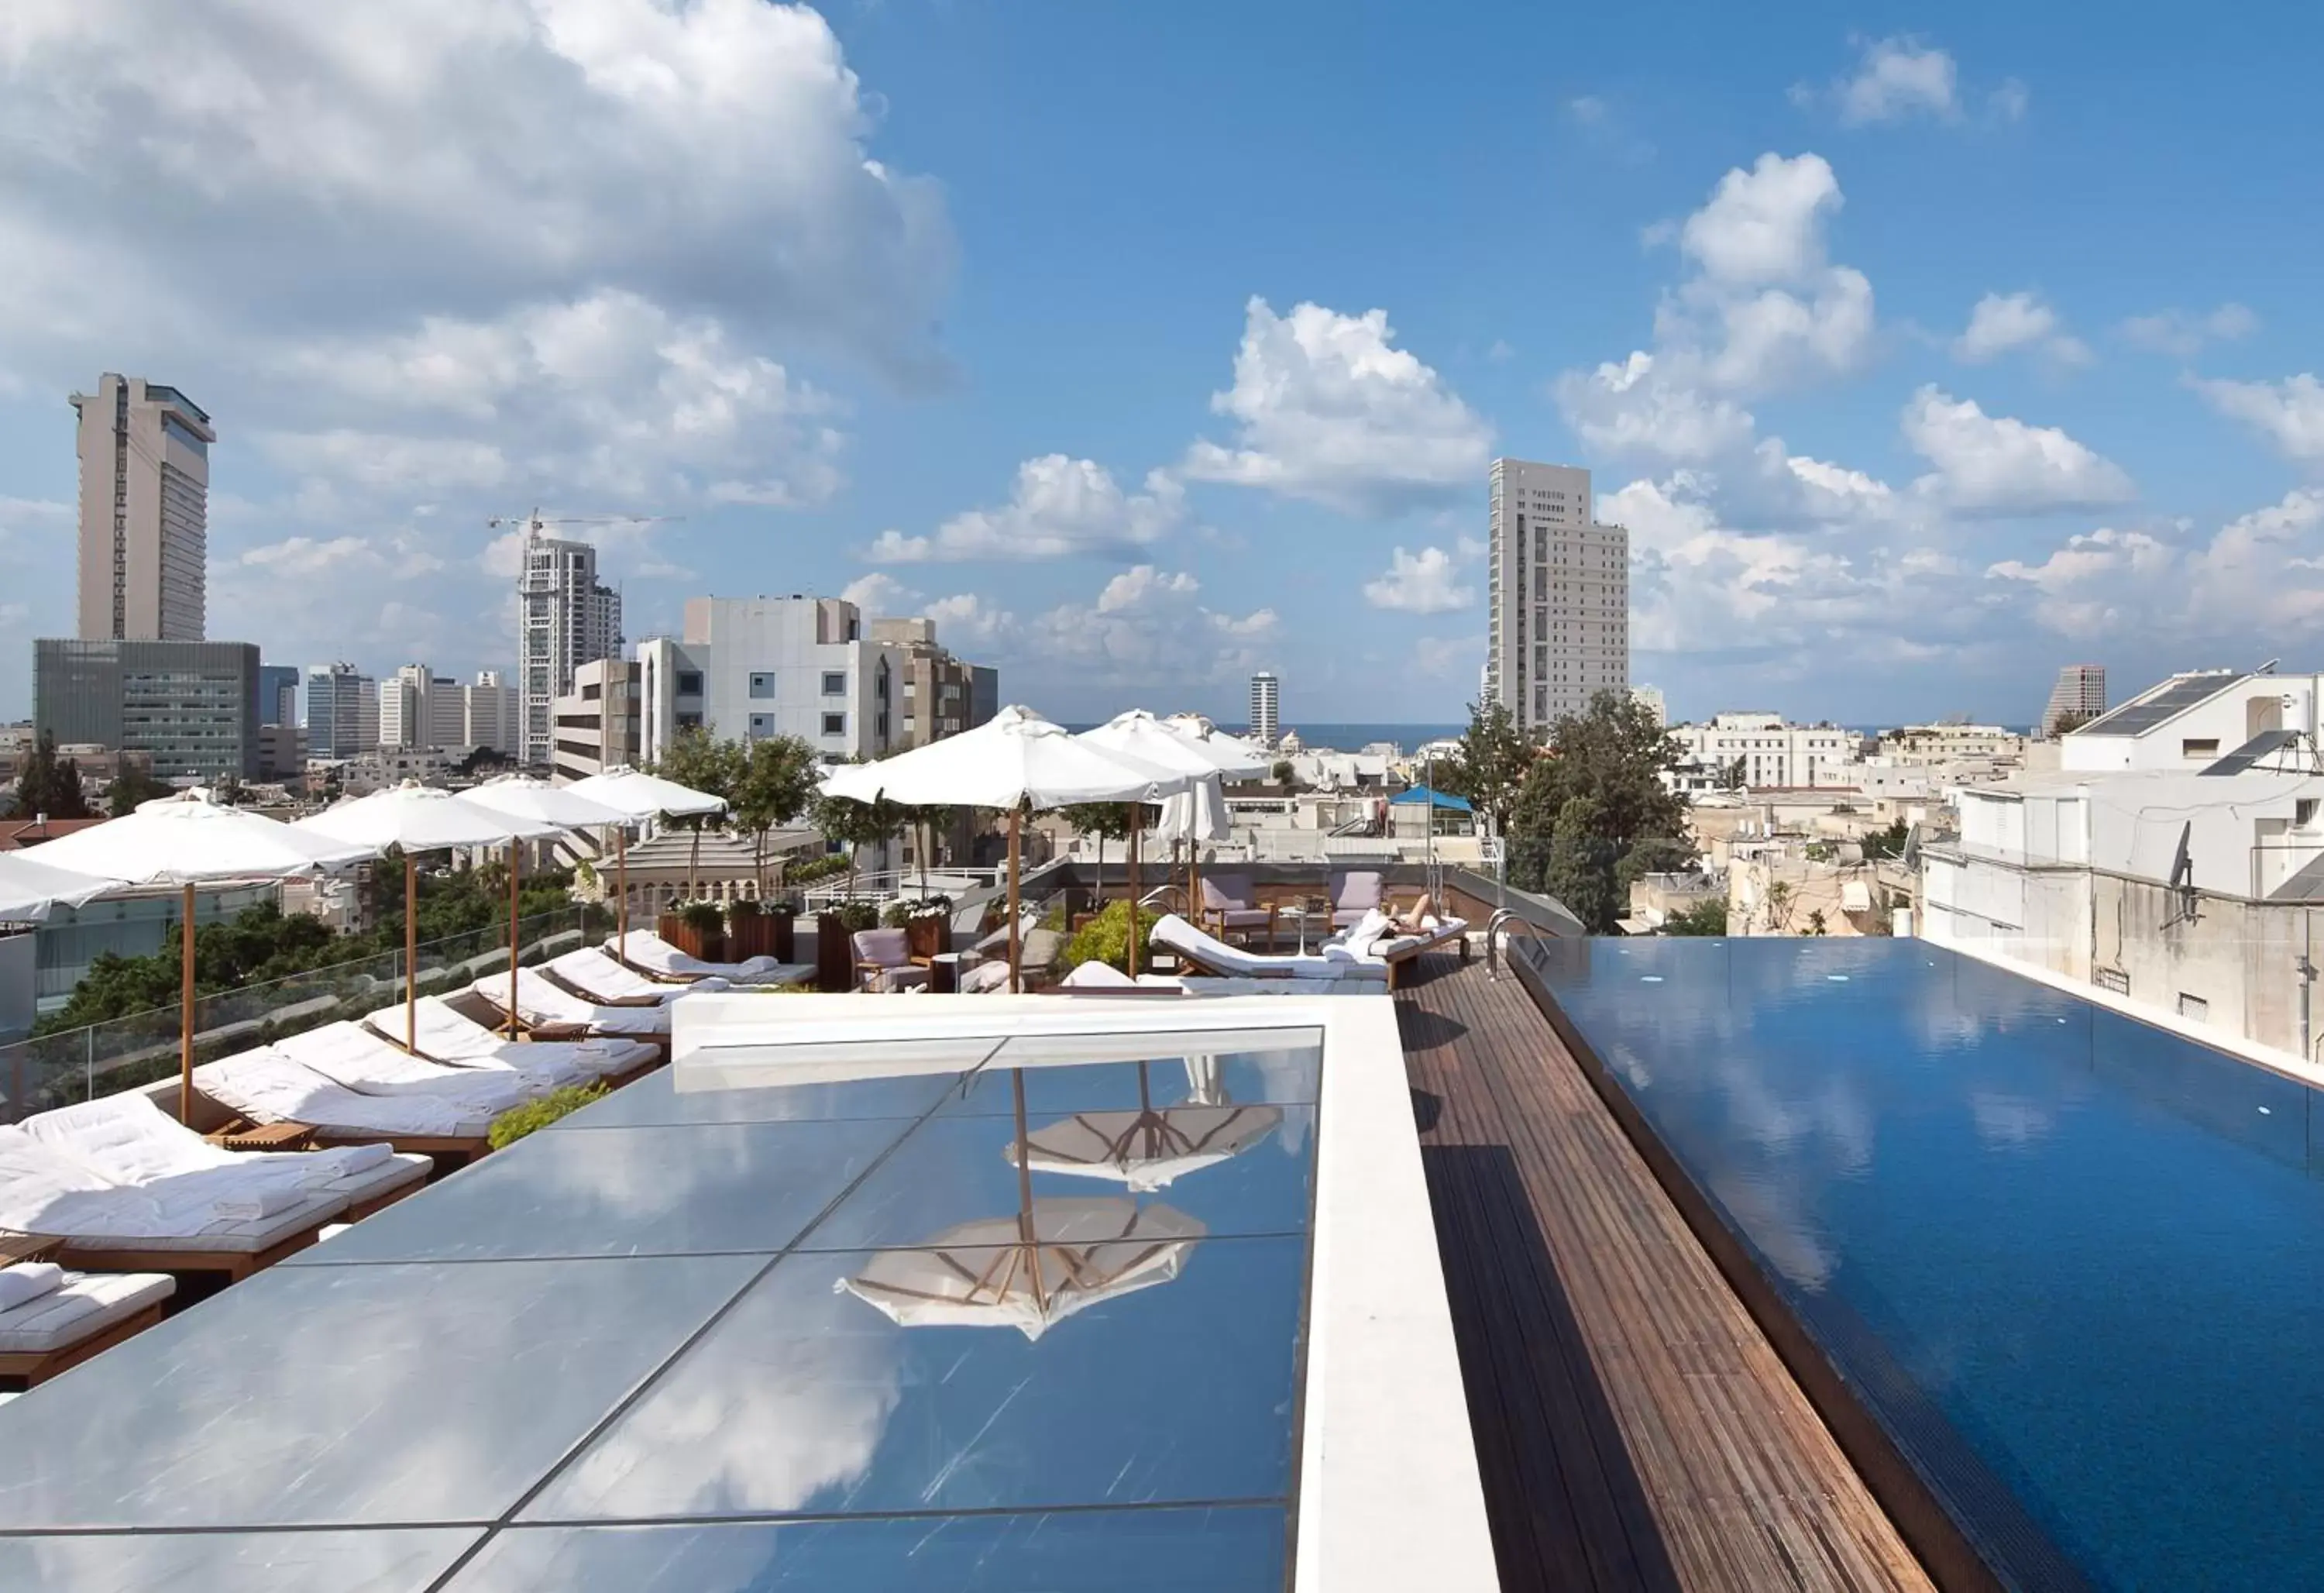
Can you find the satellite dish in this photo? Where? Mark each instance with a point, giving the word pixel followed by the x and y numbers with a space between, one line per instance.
pixel 1912 853
pixel 2183 866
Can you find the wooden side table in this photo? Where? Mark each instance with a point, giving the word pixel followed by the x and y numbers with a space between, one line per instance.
pixel 265 1136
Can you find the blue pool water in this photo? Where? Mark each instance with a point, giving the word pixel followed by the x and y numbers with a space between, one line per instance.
pixel 2074 1264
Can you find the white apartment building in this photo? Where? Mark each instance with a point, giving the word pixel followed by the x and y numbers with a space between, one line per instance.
pixel 1560 597
pixel 491 714
pixel 2190 892
pixel 1769 750
pixel 2192 720
pixel 752 667
pixel 144 511
pixel 1266 709
pixel 2081 692
pixel 1650 698
pixel 566 618
pixel 598 725
pixel 1935 745
pixel 419 707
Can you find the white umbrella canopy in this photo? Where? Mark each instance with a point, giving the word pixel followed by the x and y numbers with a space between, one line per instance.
pixel 1015 759
pixel 533 800
pixel 186 840
pixel 1141 736
pixel 646 796
pixel 1029 1272
pixel 1199 813
pixel 29 888
pixel 1238 759
pixel 424 818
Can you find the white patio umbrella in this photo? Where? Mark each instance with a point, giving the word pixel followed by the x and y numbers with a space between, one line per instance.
pixel 1146 1149
pixel 29 888
pixel 1238 759
pixel 644 796
pixel 534 801
pixel 1031 1271
pixel 189 840
pixel 1140 734
pixel 423 819
pixel 1016 760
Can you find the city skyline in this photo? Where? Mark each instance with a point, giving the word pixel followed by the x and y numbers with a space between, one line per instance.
pixel 1816 309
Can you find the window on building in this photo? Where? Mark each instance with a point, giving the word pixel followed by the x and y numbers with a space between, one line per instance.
pixel 2195 1007
pixel 835 724
pixel 762 725
pixel 689 684
pixel 763 685
pixel 2303 813
pixel 834 682
pixel 685 722
pixel 2200 747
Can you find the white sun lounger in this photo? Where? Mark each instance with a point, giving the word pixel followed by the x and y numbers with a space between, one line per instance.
pixel 132 1142
pixel 449 1036
pixel 1101 978
pixel 1211 955
pixel 1367 944
pixel 644 949
pixel 86 1313
pixel 169 1224
pixel 350 1054
pixel 267 1087
pixel 541 1004
pixel 596 975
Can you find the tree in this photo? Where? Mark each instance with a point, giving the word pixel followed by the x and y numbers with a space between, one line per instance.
pixel 856 825
pixel 1614 755
pixel 129 788
pixel 1731 776
pixel 700 763
pixel 46 785
pixel 1490 766
pixel 1816 925
pixel 777 784
pixel 1282 773
pixel 1706 917
pixel 2073 720
pixel 1886 843
pixel 1655 853
pixel 1579 871
pixel 1779 901
pixel 1109 821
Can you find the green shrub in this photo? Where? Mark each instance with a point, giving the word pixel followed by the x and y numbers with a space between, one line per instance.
pixel 515 1123
pixel 702 917
pixel 855 916
pixel 898 915
pixel 1106 938
pixel 742 907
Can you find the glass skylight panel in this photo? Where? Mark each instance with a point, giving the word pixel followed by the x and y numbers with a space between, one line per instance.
pixel 352 1394
pixel 1238 1549
pixel 655 1100
pixel 401 1560
pixel 1156 1369
pixel 687 1189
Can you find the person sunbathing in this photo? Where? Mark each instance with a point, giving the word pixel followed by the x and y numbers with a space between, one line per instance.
pixel 1415 920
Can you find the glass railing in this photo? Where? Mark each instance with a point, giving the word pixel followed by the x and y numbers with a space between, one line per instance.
pixel 122 1054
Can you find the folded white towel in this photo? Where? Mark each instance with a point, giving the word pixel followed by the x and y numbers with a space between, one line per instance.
pixel 347 1160
pixel 259 1202
pixel 27 1281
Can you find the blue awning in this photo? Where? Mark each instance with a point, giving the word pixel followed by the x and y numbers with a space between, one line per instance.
pixel 1422 793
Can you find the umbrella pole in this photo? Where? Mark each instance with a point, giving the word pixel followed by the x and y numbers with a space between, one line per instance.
pixel 185 1012
pixel 516 872
pixel 410 956
pixel 1015 981
pixel 1026 1229
pixel 621 878
pixel 1135 814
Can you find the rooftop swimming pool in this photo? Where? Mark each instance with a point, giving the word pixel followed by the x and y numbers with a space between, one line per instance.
pixel 944 1309
pixel 2073 1264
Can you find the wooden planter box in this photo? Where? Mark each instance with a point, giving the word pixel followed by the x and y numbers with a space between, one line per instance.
pixel 782 936
pixel 710 945
pixel 929 936
pixel 748 935
pixel 835 954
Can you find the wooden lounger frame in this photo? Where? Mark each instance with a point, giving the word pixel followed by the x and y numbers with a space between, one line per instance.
pixel 31 1367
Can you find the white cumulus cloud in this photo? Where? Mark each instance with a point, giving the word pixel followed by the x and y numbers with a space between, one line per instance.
pixel 1426 582
pixel 2186 333
pixel 1998 465
pixel 2004 323
pixel 1326 409
pixel 1895 79
pixel 2289 413
pixel 1060 508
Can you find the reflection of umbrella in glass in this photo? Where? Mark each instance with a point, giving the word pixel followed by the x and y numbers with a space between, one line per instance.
pixel 1026 1272
pixel 1149 1147
pixel 1029 1271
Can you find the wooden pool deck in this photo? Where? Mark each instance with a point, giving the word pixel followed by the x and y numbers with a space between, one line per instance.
pixel 1635 1428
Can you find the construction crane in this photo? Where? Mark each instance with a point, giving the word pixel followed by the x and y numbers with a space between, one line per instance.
pixel 534 523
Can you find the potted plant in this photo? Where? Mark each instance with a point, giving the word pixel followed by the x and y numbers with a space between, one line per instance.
pixel 698 929
pixel 929 923
pixel 782 931
pixel 749 931
pixel 834 936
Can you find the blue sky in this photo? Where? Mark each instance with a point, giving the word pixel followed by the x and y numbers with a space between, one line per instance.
pixel 1920 352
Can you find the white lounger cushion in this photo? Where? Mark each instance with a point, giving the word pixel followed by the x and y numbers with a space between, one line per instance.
pixel 87 1305
pixel 599 978
pixel 267 1087
pixel 43 1191
pixel 131 1141
pixel 1211 952
pixel 352 1055
pixel 450 1036
pixel 649 951
pixel 538 1001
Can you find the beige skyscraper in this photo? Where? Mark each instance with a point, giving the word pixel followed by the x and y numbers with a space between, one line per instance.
pixel 144 511
pixel 1560 596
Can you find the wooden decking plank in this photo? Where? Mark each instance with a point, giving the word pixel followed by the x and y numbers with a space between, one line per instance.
pixel 1683 1451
